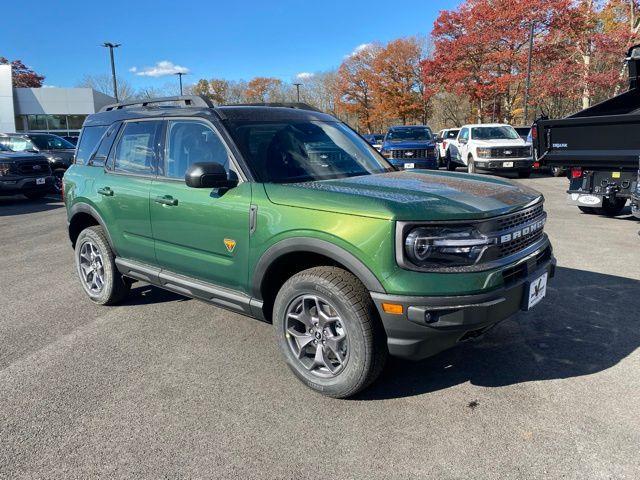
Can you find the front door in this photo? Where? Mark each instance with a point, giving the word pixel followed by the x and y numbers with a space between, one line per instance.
pixel 199 232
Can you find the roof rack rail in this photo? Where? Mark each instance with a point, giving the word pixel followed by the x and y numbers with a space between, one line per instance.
pixel 298 105
pixel 187 100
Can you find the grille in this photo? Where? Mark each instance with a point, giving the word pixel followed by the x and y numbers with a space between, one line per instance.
pixel 519 218
pixel 34 167
pixel 507 152
pixel 412 153
pixel 513 274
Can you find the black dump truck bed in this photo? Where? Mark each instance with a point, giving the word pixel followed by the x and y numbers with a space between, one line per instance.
pixel 600 148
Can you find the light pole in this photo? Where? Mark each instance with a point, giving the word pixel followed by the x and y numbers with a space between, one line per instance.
pixel 298 90
pixel 111 46
pixel 180 74
pixel 528 83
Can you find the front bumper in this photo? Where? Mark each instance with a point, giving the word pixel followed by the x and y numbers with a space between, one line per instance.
pixel 429 325
pixel 500 163
pixel 18 185
pixel 417 163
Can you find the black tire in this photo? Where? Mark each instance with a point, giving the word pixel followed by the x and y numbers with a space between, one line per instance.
pixel 57 182
pixel 114 286
pixel 471 165
pixel 366 350
pixel 35 194
pixel 557 171
pixel 589 210
pixel 613 208
pixel 524 173
pixel 451 165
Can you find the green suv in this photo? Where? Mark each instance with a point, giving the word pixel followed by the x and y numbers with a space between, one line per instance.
pixel 285 214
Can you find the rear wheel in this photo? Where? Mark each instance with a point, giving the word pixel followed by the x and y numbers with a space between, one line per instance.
pixel 613 207
pixel 96 267
pixel 557 171
pixel 328 330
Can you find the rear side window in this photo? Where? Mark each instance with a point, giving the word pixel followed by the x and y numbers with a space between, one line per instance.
pixel 88 142
pixel 137 149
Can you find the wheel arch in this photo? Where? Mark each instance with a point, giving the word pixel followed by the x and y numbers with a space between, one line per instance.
pixel 81 216
pixel 294 254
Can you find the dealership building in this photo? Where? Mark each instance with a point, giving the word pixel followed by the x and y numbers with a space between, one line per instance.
pixel 55 110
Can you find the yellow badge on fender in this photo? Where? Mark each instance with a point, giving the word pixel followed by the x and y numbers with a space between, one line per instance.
pixel 615 174
pixel 230 244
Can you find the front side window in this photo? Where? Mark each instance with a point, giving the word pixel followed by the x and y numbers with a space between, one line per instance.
pixel 502 132
pixel 303 150
pixel 137 149
pixel 192 142
pixel 409 134
pixel 464 134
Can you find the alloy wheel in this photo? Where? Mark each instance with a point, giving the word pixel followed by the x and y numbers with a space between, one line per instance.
pixel 316 335
pixel 91 268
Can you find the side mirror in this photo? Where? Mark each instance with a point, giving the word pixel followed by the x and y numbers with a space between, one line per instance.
pixel 463 140
pixel 208 175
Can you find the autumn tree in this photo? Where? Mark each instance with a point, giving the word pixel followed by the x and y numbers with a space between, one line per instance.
pixel 264 89
pixel 356 79
pixel 21 75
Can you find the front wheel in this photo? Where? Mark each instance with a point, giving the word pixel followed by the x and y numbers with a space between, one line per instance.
pixel 328 330
pixel 57 181
pixel 96 267
pixel 471 165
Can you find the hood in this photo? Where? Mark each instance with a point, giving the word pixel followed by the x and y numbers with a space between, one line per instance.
pixel 61 155
pixel 408 195
pixel 18 157
pixel 407 145
pixel 501 142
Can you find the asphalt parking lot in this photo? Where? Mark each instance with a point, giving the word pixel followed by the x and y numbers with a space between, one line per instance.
pixel 167 387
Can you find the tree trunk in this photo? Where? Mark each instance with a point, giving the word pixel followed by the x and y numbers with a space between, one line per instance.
pixel 586 92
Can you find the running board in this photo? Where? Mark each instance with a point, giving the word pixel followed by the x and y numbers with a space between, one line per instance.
pixel 191 287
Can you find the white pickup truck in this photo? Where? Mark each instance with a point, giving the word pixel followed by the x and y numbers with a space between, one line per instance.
pixel 491 146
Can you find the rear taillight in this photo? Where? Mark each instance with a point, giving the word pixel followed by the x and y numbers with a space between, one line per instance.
pixel 444 145
pixel 576 172
pixel 534 132
pixel 536 164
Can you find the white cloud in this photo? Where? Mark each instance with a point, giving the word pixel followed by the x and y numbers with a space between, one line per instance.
pixel 304 75
pixel 160 69
pixel 359 48
pixel 49 86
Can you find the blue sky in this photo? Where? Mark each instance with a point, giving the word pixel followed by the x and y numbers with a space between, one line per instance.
pixel 231 39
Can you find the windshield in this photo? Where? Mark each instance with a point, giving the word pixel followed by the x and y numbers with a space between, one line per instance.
pixel 503 132
pixel 18 144
pixel 407 134
pixel 51 142
pixel 298 151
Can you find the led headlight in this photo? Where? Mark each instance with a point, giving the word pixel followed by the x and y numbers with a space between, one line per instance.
pixel 433 247
pixel 5 168
pixel 483 152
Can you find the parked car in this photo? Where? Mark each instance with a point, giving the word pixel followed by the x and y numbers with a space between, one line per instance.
pixel 492 146
pixel 71 139
pixel 443 140
pixel 24 173
pixel 286 215
pixel 375 139
pixel 408 147
pixel 57 150
pixel 523 132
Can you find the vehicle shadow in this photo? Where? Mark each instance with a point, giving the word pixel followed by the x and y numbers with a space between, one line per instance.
pixel 145 294
pixel 588 323
pixel 19 205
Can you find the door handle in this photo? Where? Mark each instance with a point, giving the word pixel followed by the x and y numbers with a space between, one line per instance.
pixel 167 200
pixel 106 191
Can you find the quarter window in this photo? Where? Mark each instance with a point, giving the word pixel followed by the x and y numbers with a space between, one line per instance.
pixel 137 150
pixel 192 142
pixel 88 141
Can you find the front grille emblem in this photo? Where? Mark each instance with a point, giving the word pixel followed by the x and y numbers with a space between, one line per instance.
pixel 37 167
pixel 408 154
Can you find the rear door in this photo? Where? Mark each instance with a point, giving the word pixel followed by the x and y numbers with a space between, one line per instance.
pixel 200 232
pixel 124 188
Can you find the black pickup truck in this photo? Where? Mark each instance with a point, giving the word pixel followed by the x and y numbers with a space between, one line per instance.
pixel 600 149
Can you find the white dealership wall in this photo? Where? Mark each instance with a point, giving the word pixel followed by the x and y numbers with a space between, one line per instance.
pixel 44 101
pixel 7 113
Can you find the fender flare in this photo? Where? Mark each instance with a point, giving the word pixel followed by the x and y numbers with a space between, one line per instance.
pixel 313 245
pixel 88 209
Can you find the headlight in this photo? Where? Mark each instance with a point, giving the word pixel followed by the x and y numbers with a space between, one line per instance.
pixel 4 169
pixel 53 158
pixel 484 152
pixel 433 247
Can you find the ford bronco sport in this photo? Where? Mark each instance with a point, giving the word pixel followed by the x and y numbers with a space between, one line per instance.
pixel 285 214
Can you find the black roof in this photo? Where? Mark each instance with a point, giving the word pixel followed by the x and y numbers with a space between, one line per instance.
pixel 196 107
